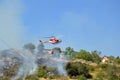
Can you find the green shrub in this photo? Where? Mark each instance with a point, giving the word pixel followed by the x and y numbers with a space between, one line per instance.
pixel 96 56
pixel 32 77
pixel 83 54
pixel 42 72
pixel 104 66
pixel 118 61
pixel 91 68
pixel 100 76
pixel 77 69
pixel 114 77
pixel 82 78
pixel 112 72
pixel 19 79
pixel 6 78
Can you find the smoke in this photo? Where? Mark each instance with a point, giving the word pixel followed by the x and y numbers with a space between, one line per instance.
pixel 11 27
pixel 59 62
pixel 27 61
pixel 11 30
pixel 29 65
pixel 56 60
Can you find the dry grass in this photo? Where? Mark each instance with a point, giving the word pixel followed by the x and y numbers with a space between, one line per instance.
pixel 61 78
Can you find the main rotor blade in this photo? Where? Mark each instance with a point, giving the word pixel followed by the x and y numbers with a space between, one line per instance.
pixel 49 37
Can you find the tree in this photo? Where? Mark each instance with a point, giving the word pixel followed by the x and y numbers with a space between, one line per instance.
pixel 29 46
pixel 58 49
pixel 117 57
pixel 117 60
pixel 83 54
pixel 69 51
pixel 96 56
pixel 77 69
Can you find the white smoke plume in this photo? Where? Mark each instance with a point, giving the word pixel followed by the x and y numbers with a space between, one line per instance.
pixel 29 65
pixel 59 62
pixel 56 60
pixel 11 27
pixel 11 30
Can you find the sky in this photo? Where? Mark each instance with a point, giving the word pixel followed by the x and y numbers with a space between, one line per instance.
pixel 11 26
pixel 81 24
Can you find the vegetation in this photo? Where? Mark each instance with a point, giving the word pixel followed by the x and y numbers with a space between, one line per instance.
pixel 9 72
pixel 118 60
pixel 83 54
pixel 58 49
pixel 69 51
pixel 32 77
pixel 77 69
pixel 92 68
pixel 82 78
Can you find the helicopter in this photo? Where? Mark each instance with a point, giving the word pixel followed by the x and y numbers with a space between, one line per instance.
pixel 52 40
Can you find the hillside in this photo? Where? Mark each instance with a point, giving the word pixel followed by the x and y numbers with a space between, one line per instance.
pixel 62 65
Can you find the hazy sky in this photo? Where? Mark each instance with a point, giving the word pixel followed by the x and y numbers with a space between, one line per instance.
pixel 11 24
pixel 83 24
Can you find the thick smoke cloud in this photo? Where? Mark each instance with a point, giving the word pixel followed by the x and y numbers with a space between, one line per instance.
pixel 11 27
